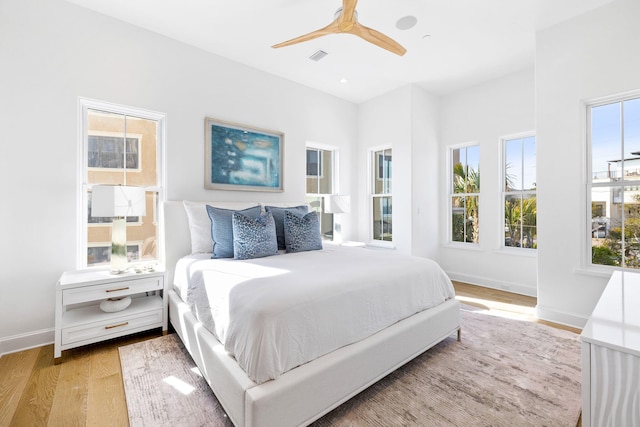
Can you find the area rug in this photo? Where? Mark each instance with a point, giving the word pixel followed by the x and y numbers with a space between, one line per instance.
pixel 504 372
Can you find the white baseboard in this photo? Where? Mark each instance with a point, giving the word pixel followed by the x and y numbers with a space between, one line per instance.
pixel 26 341
pixel 563 318
pixel 494 284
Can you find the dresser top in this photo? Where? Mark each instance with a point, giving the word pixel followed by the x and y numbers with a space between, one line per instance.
pixel 615 322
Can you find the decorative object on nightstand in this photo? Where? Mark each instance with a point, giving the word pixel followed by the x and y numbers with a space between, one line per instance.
pixel 119 202
pixel 337 204
pixel 84 314
pixel 112 305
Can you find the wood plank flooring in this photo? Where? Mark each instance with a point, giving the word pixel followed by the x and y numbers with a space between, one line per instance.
pixel 86 389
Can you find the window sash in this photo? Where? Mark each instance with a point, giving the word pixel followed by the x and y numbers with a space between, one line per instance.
pixel 519 195
pixel 464 197
pixel 613 182
pixel 142 230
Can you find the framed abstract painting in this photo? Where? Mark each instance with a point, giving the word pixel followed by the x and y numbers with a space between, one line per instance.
pixel 238 157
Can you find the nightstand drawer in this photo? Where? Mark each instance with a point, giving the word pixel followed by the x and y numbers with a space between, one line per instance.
pixel 111 290
pixel 113 327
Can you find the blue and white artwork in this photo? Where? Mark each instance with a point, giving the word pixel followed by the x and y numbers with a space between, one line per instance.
pixel 241 158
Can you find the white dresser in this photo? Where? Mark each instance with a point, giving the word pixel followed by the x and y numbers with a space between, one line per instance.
pixel 611 356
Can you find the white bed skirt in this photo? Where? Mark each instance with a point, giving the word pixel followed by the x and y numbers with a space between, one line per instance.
pixel 307 392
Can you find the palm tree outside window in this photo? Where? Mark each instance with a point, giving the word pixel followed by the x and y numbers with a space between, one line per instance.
pixel 465 194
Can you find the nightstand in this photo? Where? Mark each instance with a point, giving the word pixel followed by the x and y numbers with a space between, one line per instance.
pixel 79 319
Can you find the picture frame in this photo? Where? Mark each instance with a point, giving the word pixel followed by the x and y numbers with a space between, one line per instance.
pixel 239 157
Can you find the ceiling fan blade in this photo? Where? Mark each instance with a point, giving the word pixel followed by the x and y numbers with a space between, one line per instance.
pixel 329 29
pixel 377 38
pixel 348 11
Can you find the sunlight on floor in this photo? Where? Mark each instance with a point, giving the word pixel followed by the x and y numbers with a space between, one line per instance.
pixel 179 385
pixel 501 309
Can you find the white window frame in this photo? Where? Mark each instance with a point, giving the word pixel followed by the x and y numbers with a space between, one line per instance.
pixel 371 176
pixel 522 193
pixel 589 266
pixel 85 104
pixel 335 154
pixel 451 194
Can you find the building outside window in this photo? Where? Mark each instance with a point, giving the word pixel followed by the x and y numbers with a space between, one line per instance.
pixel 464 188
pixel 519 193
pixel 614 182
pixel 381 195
pixel 120 146
pixel 320 183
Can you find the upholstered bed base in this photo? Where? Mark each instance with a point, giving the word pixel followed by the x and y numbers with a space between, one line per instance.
pixel 304 394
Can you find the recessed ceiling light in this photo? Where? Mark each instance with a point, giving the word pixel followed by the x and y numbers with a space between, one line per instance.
pixel 406 22
pixel 343 80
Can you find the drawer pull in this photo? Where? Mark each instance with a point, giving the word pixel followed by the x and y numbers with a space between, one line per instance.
pixel 117 326
pixel 116 290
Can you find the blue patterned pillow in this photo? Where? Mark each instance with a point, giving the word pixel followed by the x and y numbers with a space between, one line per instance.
pixel 222 229
pixel 254 238
pixel 302 233
pixel 278 216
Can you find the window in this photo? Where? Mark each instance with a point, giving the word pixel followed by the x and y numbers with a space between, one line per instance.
pixel 381 199
pixel 465 194
pixel 519 194
pixel 119 146
pixel 108 152
pixel 614 182
pixel 320 183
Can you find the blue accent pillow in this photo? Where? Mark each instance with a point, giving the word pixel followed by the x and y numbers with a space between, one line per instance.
pixel 302 233
pixel 254 238
pixel 278 216
pixel 222 229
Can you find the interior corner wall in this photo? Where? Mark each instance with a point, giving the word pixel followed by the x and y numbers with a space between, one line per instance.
pixel 53 52
pixel 405 119
pixel 483 115
pixel 588 57
pixel 425 176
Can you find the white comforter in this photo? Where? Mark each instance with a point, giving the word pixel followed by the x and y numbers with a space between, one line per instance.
pixel 273 314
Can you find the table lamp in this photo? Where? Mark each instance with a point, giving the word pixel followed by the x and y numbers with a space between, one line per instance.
pixel 337 204
pixel 118 202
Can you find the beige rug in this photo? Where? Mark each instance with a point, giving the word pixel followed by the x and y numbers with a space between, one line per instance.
pixel 504 373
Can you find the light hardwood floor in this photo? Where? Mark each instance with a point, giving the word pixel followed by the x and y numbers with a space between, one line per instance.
pixel 86 389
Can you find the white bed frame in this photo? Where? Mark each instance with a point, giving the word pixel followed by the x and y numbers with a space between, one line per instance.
pixel 307 392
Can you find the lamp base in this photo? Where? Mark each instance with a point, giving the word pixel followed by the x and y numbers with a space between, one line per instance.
pixel 119 261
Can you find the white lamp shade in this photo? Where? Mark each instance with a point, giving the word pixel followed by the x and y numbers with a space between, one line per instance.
pixel 337 204
pixel 117 201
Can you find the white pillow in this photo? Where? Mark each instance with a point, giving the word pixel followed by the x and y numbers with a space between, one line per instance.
pixel 200 224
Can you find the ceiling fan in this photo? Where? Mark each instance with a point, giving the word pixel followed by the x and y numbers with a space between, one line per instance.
pixel 347 22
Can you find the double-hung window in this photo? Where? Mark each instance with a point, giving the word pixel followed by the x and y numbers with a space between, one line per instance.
pixel 614 182
pixel 381 195
pixel 519 192
pixel 119 146
pixel 320 183
pixel 464 194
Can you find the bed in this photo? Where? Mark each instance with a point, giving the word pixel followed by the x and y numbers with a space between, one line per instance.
pixel 290 391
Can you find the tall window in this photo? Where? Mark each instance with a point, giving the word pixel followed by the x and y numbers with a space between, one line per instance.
pixel 465 194
pixel 519 194
pixel 120 146
pixel 614 135
pixel 381 199
pixel 320 183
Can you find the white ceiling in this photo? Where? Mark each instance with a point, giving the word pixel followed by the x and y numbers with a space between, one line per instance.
pixel 455 43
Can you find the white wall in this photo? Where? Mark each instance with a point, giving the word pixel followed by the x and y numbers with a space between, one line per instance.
pixel 483 115
pixel 52 52
pixel 591 56
pixel 407 120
